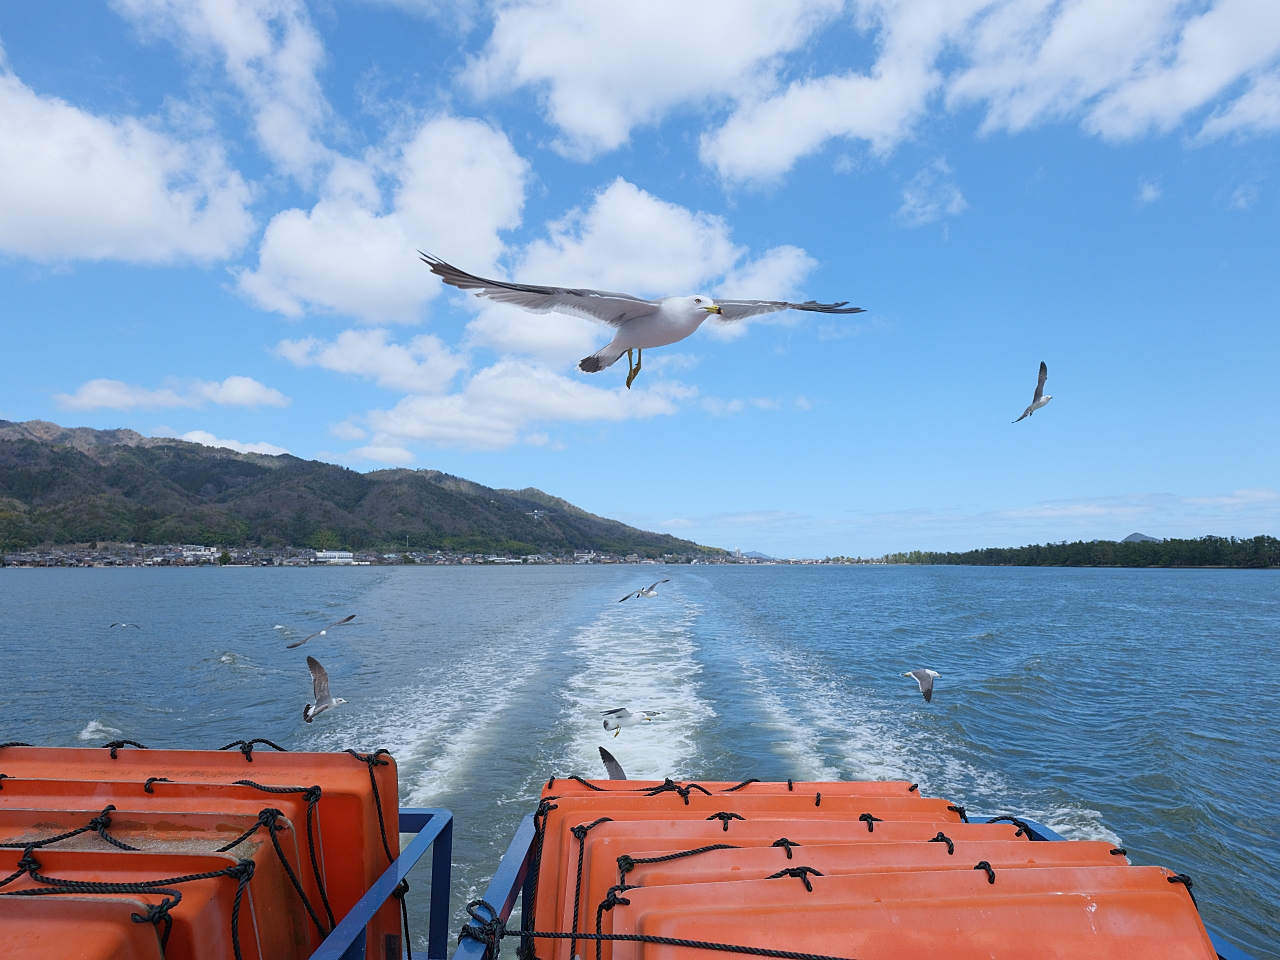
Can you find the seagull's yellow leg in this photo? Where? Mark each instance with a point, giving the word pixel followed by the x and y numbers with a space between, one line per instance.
pixel 618 731
pixel 636 369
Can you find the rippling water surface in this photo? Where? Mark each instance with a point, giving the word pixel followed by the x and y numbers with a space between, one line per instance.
pixel 1136 706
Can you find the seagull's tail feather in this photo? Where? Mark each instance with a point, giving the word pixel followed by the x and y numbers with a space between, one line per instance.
pixel 306 713
pixel 604 357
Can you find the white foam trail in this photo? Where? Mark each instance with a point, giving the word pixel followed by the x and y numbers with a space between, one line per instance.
pixel 95 730
pixel 642 657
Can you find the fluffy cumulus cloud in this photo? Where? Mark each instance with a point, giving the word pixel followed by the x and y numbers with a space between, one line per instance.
pixel 423 365
pixel 270 52
pixel 209 440
pixel 75 185
pixel 458 184
pixel 118 395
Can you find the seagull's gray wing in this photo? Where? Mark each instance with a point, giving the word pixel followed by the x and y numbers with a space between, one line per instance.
pixel 614 309
pixel 1025 413
pixel 630 595
pixel 1044 375
pixel 926 683
pixel 652 585
pixel 612 766
pixel 731 310
pixel 319 680
pixel 618 712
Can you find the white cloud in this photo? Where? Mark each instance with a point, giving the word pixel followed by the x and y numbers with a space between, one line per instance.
pixel 1148 190
pixel 118 395
pixel 424 365
pixel 209 440
pixel 931 195
pixel 502 400
pixel 604 68
pixel 74 185
pixel 270 51
pixel 1256 111
pixel 459 182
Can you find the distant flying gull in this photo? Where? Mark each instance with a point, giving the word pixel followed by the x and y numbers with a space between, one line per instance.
pixel 1039 400
pixel 925 679
pixel 611 766
pixel 640 323
pixel 648 591
pixel 615 720
pixel 321 633
pixel 134 625
pixel 320 687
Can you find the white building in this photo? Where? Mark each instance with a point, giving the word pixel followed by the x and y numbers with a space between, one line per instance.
pixel 341 557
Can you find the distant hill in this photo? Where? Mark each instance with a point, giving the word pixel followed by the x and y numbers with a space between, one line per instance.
pixel 77 485
pixel 1204 552
pixel 1140 538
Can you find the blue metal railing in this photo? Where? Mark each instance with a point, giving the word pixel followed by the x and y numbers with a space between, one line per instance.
pixel 510 879
pixel 434 828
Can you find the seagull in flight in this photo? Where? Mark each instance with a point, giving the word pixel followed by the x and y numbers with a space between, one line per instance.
pixel 320 687
pixel 621 717
pixel 649 591
pixel 134 625
pixel 925 680
pixel 1039 400
pixel 321 633
pixel 640 323
pixel 611 766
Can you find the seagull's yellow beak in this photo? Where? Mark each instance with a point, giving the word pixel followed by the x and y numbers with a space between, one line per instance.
pixel 714 308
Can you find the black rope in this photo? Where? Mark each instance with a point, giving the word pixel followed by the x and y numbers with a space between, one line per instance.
pixel 13 743
pixel 611 900
pixel 150 780
pixel 724 818
pixel 371 760
pixel 943 838
pixel 581 831
pixel 242 872
pixel 525 951
pixel 586 783
pixel 312 796
pixel 785 844
pixel 627 863
pixel 3 778
pixel 268 818
pixel 98 824
pixel 401 889
pixel 801 872
pixel 490 931
pixel 871 820
pixel 115 745
pixel 817 800
pixel 790 785
pixel 983 865
pixel 742 784
pixel 959 810
pixel 1119 852
pixel 670 786
pixel 913 787
pixel 1185 881
pixel 246 746
pixel 1021 824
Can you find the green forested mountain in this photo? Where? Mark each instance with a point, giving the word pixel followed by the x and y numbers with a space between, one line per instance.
pixel 79 485
pixel 1205 552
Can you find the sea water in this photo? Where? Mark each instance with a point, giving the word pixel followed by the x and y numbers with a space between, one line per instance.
pixel 1133 706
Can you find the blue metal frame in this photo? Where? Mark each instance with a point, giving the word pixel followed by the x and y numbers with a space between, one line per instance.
pixel 434 828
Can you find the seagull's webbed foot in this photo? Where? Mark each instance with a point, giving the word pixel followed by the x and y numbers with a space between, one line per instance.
pixel 634 371
pixel 618 731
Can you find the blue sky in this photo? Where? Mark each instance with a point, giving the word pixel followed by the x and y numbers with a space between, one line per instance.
pixel 209 211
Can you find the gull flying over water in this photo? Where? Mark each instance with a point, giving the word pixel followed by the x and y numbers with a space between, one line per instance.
pixel 640 323
pixel 649 591
pixel 320 687
pixel 925 679
pixel 621 717
pixel 1039 400
pixel 134 625
pixel 321 633
pixel 611 766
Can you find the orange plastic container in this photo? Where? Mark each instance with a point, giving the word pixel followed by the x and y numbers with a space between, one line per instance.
pixel 1057 913
pixel 270 921
pixel 75 928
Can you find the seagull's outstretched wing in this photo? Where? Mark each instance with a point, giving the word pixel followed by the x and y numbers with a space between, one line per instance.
pixel 633 593
pixel 618 713
pixel 319 680
pixel 134 625
pixel 924 679
pixel 1025 413
pixel 1044 375
pixel 612 766
pixel 652 585
pixel 336 623
pixel 611 308
pixel 731 310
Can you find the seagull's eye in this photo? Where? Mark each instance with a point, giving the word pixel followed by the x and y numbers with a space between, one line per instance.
pixel 697 299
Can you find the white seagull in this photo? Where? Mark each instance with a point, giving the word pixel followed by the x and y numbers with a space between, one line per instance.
pixel 611 766
pixel 621 717
pixel 134 625
pixel 925 679
pixel 321 633
pixel 1039 400
pixel 320 687
pixel 640 323
pixel 649 591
